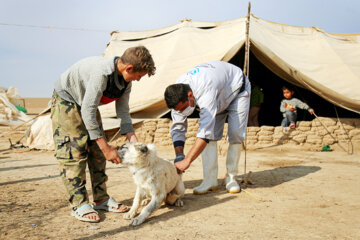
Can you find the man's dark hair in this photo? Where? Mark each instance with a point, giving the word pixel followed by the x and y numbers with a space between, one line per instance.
pixel 176 93
pixel 287 87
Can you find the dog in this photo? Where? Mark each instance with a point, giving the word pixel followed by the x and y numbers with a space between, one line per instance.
pixel 156 180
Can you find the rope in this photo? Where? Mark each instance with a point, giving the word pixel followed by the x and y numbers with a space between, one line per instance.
pixel 52 27
pixel 255 197
pixel 347 134
pixel 115 135
pixel 335 139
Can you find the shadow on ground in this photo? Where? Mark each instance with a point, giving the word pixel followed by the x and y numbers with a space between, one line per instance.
pixel 29 180
pixel 267 178
pixel 207 200
pixel 23 167
pixel 277 176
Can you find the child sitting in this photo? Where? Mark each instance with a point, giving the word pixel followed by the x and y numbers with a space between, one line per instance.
pixel 288 108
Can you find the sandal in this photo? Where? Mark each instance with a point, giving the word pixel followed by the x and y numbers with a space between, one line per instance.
pixel 111 205
pixel 80 212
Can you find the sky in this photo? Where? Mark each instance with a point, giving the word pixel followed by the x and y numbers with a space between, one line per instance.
pixel 33 58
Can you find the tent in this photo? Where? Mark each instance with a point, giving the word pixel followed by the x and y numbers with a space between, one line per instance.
pixel 327 64
pixel 9 114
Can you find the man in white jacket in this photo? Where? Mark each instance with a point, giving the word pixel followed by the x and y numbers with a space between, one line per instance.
pixel 221 91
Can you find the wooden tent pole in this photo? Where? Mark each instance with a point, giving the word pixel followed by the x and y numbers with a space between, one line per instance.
pixel 247 43
pixel 246 179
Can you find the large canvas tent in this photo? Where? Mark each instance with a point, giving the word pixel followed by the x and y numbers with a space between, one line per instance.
pixel 327 64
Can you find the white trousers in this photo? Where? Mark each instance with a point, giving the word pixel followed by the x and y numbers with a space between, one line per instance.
pixel 237 113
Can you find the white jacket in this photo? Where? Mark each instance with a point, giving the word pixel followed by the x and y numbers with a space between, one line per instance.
pixel 214 85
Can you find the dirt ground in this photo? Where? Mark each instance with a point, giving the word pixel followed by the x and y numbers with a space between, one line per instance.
pixel 295 195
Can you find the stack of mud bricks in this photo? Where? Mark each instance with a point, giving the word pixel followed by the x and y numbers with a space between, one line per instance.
pixel 311 135
pixel 157 131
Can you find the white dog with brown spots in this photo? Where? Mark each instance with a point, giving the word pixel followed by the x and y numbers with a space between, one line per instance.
pixel 156 180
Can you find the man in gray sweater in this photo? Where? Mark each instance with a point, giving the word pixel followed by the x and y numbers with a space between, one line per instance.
pixel 77 129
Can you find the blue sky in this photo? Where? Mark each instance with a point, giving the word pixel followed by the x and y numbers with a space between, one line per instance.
pixel 32 59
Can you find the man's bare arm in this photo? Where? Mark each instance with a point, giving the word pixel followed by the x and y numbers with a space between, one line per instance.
pixel 131 137
pixel 110 152
pixel 194 152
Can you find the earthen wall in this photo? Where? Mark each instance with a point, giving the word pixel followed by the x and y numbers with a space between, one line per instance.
pixel 310 135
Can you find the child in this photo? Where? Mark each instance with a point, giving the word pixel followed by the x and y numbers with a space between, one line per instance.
pixel 288 108
pixel 77 129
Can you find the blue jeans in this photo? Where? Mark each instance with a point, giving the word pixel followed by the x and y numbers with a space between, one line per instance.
pixel 290 118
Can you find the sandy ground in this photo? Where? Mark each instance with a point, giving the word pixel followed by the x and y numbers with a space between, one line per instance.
pixel 295 195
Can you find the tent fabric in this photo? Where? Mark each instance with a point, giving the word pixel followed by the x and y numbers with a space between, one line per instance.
pixel 324 63
pixel 327 64
pixel 174 52
pixel 39 135
pixel 9 114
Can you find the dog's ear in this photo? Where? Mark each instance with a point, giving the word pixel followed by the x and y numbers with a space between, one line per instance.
pixel 152 148
pixel 123 146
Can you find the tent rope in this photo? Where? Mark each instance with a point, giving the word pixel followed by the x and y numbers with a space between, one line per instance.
pixel 335 139
pixel 347 134
pixel 338 119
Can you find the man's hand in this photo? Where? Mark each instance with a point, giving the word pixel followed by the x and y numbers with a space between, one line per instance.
pixel 194 152
pixel 182 165
pixel 110 152
pixel 179 158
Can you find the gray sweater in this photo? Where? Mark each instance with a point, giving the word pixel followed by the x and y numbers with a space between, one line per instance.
pixel 295 103
pixel 84 83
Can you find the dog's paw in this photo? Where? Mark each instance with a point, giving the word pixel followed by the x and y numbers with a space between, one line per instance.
pixel 145 202
pixel 128 215
pixel 179 203
pixel 136 221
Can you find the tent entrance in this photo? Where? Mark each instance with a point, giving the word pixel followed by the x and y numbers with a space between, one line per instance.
pixel 271 85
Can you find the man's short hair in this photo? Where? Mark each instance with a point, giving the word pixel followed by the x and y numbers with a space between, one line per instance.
pixel 176 93
pixel 140 58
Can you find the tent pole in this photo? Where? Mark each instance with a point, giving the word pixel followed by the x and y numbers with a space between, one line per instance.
pixel 247 43
pixel 246 178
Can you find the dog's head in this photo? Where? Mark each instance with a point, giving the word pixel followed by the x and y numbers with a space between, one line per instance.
pixel 136 154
